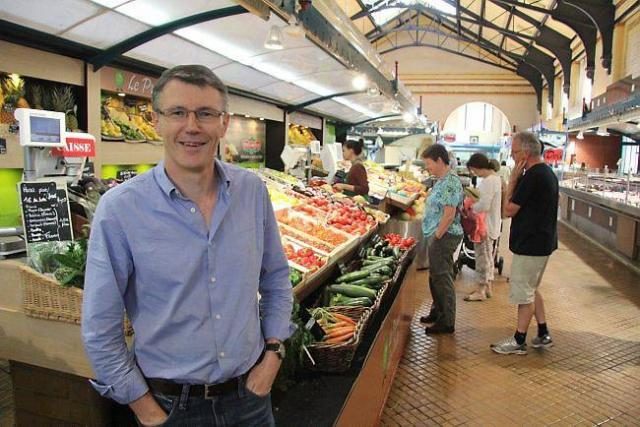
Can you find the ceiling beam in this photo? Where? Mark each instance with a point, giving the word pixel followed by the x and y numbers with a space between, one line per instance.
pixel 483 6
pixel 300 106
pixel 440 47
pixel 108 55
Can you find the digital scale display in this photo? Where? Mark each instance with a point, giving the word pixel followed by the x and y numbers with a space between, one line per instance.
pixel 45 130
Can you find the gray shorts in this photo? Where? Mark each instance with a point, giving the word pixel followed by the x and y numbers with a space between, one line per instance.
pixel 526 275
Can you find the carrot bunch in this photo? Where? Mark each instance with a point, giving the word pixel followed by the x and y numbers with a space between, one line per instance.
pixel 338 327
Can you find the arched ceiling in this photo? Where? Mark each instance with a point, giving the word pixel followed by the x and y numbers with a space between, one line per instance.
pixel 531 38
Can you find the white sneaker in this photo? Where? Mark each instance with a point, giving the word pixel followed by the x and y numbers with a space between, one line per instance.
pixel 509 346
pixel 542 342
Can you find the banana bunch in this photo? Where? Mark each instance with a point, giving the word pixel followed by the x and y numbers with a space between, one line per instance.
pixel 108 128
pixel 146 128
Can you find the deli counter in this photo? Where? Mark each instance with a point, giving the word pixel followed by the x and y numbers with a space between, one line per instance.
pixel 606 208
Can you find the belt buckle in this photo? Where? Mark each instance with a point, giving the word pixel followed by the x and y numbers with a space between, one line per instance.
pixel 210 392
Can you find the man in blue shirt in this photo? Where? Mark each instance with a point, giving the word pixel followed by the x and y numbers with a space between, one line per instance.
pixel 192 251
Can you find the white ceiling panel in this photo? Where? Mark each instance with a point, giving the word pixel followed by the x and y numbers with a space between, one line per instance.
pixel 287 92
pixel 158 12
pixel 243 77
pixel 105 30
pixel 298 62
pixel 110 3
pixel 40 15
pixel 171 50
pixel 337 110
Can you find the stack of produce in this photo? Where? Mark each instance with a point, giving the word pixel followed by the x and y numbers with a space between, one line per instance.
pixel 351 220
pixel 318 231
pixel 146 128
pixel 110 129
pixel 338 328
pixel 304 257
pixel 316 244
pixel 397 241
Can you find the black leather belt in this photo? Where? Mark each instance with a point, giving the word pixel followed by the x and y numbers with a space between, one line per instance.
pixel 206 391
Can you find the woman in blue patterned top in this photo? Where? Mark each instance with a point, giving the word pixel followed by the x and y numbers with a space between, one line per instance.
pixel 443 231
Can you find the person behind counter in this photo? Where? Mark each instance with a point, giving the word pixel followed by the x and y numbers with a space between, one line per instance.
pixel 443 231
pixel 357 181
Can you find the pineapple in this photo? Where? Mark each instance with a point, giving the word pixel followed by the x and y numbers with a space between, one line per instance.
pixel 13 88
pixel 36 96
pixel 63 101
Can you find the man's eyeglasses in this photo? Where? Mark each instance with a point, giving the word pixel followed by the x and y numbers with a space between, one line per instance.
pixel 203 115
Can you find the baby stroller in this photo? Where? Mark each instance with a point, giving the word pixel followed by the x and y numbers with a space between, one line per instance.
pixel 466 254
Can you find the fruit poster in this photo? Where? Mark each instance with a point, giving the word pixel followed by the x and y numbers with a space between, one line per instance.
pixel 244 142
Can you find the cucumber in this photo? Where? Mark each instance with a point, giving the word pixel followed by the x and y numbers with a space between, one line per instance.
pixel 358 302
pixel 371 267
pixel 350 277
pixel 370 261
pixel 353 291
pixel 383 270
pixel 374 281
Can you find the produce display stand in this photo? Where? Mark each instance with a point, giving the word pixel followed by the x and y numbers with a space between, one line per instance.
pixel 44 351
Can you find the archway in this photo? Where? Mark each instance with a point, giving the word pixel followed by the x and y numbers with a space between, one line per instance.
pixel 477 126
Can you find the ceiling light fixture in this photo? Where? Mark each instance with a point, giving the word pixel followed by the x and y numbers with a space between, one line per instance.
pixel 602 131
pixel 360 82
pixel 580 135
pixel 274 38
pixel 261 118
pixel 373 91
pixel 408 117
pixel 247 116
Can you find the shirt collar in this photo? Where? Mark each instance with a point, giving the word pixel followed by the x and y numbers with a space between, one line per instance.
pixel 168 187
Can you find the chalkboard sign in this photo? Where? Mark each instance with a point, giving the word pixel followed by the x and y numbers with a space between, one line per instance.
pixel 45 212
pixel 126 174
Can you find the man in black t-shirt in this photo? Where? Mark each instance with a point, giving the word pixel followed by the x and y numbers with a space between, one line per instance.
pixel 533 205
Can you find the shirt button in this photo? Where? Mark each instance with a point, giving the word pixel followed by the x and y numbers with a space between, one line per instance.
pixel 218 316
pixel 192 210
pixel 213 280
pixel 222 354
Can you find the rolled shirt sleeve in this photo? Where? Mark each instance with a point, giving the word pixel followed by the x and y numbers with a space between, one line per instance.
pixel 276 293
pixel 108 269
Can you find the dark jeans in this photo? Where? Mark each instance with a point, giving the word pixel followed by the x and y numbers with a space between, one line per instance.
pixel 238 408
pixel 443 308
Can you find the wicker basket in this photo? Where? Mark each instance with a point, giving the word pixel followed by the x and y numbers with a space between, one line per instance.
pixel 338 357
pixel 44 298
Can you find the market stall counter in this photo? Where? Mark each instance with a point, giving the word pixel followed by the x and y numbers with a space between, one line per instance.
pixel 597 208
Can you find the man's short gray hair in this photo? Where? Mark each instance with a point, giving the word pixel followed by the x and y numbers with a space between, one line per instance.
pixel 197 75
pixel 529 142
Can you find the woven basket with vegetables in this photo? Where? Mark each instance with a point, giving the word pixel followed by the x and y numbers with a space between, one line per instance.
pixel 344 327
pixel 58 296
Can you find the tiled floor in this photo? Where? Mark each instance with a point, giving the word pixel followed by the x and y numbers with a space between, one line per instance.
pixel 591 376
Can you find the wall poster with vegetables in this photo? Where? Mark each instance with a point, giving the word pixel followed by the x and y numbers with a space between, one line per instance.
pixel 244 142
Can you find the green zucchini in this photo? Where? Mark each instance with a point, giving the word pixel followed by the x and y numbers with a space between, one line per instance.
pixel 353 291
pixel 383 270
pixel 358 302
pixel 374 281
pixel 370 261
pixel 370 267
pixel 350 277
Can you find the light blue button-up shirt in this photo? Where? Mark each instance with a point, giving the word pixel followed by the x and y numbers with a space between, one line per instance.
pixel 191 292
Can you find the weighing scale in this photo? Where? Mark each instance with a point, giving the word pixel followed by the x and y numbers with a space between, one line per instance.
pixel 50 154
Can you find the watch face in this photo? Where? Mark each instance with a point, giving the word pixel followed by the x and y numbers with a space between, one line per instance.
pixel 277 348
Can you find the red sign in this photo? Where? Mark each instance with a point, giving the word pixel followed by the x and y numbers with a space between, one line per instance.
pixel 78 145
pixel 553 155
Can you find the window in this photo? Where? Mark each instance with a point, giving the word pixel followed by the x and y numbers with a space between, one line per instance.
pixel 478 117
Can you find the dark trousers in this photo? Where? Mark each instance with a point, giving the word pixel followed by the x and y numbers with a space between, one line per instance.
pixel 440 251
pixel 237 408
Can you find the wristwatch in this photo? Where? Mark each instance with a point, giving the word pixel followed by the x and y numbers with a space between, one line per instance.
pixel 277 348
